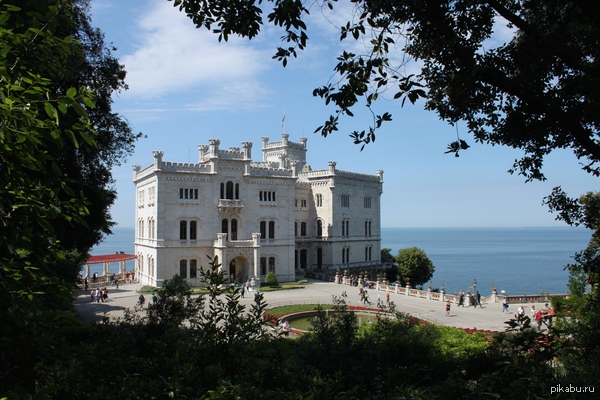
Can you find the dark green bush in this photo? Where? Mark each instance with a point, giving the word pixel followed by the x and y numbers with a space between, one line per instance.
pixel 271 279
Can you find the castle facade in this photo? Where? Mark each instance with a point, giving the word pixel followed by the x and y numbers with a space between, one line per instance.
pixel 274 215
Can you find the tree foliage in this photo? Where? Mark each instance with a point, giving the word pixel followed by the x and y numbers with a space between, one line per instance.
pixel 535 91
pixel 55 86
pixel 414 266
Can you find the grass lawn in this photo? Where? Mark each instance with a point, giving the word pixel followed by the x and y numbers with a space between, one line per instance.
pixel 292 308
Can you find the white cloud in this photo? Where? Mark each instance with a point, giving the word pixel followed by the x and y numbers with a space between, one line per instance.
pixel 173 56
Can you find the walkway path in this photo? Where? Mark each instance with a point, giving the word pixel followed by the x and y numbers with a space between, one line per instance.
pixel 490 317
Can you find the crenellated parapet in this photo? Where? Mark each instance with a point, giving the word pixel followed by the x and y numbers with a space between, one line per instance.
pixel 234 153
pixel 333 172
pixel 261 170
pixel 185 167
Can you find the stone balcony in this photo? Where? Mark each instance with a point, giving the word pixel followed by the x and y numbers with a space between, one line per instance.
pixel 227 206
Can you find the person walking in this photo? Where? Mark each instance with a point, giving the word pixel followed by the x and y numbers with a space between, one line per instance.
pixel 478 298
pixel 461 299
pixel 504 306
pixel 448 308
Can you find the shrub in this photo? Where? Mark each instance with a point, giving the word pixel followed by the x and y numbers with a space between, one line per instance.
pixel 270 279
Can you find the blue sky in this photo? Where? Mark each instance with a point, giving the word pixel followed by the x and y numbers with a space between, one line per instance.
pixel 186 88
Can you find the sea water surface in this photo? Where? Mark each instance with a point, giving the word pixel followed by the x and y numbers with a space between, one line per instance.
pixel 517 260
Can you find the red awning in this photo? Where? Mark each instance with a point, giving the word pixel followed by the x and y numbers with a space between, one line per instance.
pixel 109 258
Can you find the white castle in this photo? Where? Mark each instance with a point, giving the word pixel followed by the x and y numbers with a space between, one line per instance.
pixel 274 215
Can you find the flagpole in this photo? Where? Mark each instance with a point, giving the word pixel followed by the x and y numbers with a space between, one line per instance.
pixel 283 122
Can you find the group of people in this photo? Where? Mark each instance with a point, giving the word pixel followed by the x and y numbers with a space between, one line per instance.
pixel 539 316
pixel 98 295
pixel 475 299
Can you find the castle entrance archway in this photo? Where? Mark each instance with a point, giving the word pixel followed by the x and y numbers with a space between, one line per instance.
pixel 238 268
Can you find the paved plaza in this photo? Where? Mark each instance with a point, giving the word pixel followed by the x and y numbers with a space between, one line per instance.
pixel 490 317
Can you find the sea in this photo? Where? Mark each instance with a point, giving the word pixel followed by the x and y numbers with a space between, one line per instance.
pixel 516 260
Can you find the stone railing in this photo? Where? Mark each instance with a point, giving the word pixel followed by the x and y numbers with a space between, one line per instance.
pixel 382 285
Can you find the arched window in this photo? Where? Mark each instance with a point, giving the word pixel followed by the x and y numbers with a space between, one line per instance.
pixel 182 230
pixel 346 255
pixel 183 268
pixel 229 190
pixel 319 228
pixel 272 264
pixel 193 268
pixel 234 227
pixel 303 229
pixel 222 196
pixel 224 224
pixel 237 191
pixel 193 230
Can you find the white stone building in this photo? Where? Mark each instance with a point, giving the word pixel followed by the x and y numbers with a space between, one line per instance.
pixel 274 215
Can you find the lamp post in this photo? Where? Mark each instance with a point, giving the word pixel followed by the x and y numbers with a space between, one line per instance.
pixel 474 285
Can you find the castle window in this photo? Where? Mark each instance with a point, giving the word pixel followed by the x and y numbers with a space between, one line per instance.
pixel 345 255
pixel 234 227
pixel 182 230
pixel 267 230
pixel 151 195
pixel 151 228
pixel 224 224
pixel 263 230
pixel 345 200
pixel 303 229
pixel 193 268
pixel 183 268
pixel 345 227
pixel 319 228
pixel 188 194
pixel 272 264
pixel 230 191
pixel 193 230
pixel 303 203
pixel 319 200
pixel 271 229
pixel 263 265
pixel 367 201
pixel 266 195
